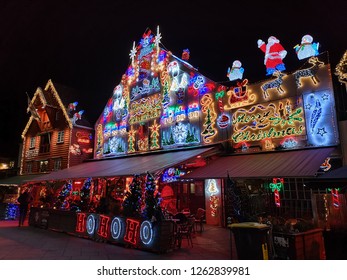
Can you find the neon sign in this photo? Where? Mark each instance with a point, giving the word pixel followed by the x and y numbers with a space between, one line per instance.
pixel 172 174
pixel 320 118
pixel 207 107
pixel 212 190
pixel 123 230
pixel 335 198
pixel 145 109
pixel 267 121
pixel 276 186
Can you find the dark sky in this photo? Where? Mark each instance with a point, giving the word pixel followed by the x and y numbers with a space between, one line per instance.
pixel 86 44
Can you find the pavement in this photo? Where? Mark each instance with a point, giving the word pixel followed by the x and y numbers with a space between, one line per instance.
pixel 31 243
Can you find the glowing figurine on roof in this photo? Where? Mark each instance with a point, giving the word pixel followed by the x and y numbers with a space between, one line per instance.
pixel 236 71
pixel 274 55
pixel 307 48
pixel 77 116
pixel 118 103
pixel 72 106
pixel 186 54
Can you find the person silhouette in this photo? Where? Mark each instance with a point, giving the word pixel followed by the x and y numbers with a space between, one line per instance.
pixel 24 200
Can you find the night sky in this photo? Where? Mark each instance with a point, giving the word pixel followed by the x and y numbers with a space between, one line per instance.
pixel 86 44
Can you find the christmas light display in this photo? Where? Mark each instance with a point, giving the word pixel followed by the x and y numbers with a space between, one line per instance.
pixel 85 194
pixel 11 211
pixel 335 198
pixel 341 69
pixel 236 71
pixel 172 174
pixel 276 186
pixel 117 227
pixel 320 118
pixel 306 48
pixel 310 72
pixel 133 199
pixel 240 96
pixel 62 201
pixel 207 108
pixel 271 121
pixel 213 190
pixel 223 120
pixel 154 136
pixel 103 229
pixel 325 166
pixel 132 231
pixel 152 209
pixel 274 55
pixel 175 106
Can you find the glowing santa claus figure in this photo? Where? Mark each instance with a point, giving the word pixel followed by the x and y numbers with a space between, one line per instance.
pixel 274 54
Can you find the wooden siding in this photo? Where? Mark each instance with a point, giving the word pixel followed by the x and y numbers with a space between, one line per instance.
pixel 60 150
pixel 57 150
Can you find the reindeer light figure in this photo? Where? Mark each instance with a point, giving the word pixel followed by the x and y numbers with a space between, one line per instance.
pixel 310 72
pixel 276 84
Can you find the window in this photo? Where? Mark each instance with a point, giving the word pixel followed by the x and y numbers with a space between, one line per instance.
pixel 29 167
pixel 60 137
pixel 32 142
pixel 45 143
pixel 57 164
pixel 43 165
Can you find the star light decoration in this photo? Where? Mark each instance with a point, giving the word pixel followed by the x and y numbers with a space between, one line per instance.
pixel 132 53
pixel 180 133
pixel 321 131
pixel 157 40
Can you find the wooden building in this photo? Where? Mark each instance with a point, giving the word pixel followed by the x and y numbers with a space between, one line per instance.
pixel 57 135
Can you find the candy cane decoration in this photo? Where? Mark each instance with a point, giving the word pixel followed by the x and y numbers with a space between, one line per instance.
pixel 277 198
pixel 335 197
pixel 276 187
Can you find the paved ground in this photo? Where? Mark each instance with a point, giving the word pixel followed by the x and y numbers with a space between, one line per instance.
pixel 30 243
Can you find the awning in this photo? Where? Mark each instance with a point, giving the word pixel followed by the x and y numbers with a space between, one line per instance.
pixel 18 180
pixel 298 163
pixel 126 166
pixel 337 174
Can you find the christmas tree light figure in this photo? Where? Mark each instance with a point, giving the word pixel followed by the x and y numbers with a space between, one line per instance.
pixel 133 198
pixel 62 201
pixel 152 210
pixel 85 194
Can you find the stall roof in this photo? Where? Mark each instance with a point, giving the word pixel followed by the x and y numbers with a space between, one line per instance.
pixel 125 166
pixel 338 173
pixel 298 163
pixel 18 180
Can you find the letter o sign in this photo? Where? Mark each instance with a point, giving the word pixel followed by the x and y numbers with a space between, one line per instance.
pixel 91 224
pixel 116 228
pixel 146 232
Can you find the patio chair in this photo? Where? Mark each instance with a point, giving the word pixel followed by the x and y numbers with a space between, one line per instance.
pixel 185 232
pixel 199 218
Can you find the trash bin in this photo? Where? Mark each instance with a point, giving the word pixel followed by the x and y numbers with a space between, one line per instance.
pixel 252 240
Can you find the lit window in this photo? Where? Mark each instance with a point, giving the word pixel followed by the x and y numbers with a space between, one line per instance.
pixel 43 165
pixel 29 167
pixel 57 164
pixel 32 142
pixel 60 137
pixel 45 143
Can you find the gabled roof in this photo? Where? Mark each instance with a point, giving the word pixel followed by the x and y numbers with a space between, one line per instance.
pixel 59 97
pixel 136 54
